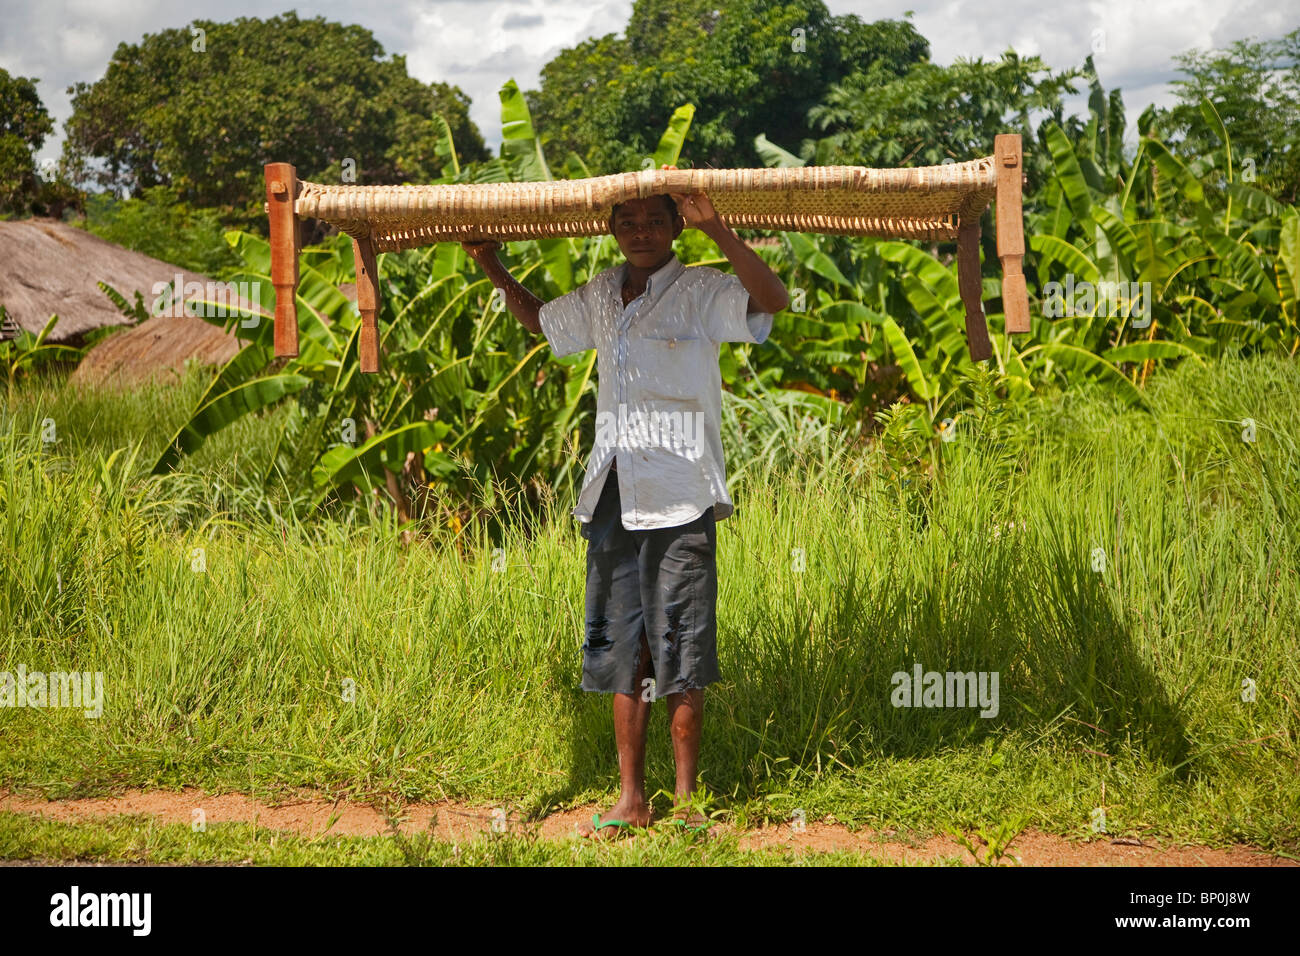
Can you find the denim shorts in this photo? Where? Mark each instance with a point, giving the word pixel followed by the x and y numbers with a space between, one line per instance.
pixel 665 581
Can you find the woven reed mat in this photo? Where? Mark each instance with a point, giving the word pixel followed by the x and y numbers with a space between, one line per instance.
pixel 925 202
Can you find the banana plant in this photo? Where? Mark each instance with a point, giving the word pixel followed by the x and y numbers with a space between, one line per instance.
pixel 25 350
pixel 520 141
pixel 1203 252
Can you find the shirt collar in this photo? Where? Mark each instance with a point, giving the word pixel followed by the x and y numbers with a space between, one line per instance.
pixel 658 281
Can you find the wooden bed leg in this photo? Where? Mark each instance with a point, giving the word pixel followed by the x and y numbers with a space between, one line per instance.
pixel 1011 230
pixel 281 190
pixel 368 303
pixel 972 290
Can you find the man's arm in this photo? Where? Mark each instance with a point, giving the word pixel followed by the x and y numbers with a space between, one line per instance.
pixel 766 291
pixel 523 304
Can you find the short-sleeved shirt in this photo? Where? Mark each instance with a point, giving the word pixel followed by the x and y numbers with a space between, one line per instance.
pixel 659 395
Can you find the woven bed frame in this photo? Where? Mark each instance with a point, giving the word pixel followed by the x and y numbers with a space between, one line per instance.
pixel 928 202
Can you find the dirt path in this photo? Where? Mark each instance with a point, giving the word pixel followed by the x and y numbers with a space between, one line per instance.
pixel 451 821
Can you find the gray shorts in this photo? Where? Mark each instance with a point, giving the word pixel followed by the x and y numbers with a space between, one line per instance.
pixel 664 580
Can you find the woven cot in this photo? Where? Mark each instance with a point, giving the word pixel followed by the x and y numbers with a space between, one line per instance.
pixel 929 202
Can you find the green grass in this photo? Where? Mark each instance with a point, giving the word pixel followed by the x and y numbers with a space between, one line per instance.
pixel 1119 689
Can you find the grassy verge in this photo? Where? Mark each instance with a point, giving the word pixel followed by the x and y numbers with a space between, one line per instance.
pixel 1130 575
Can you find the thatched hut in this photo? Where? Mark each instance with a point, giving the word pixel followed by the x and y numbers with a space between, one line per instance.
pixel 50 268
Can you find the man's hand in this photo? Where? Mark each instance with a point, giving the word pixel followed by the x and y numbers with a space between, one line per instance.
pixel 696 208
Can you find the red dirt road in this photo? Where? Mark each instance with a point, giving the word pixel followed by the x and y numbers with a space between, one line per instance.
pixel 450 821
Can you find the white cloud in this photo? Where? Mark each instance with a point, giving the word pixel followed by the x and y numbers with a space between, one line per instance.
pixel 83 45
pixel 479 46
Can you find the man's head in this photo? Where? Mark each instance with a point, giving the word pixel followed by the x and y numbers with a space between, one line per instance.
pixel 645 229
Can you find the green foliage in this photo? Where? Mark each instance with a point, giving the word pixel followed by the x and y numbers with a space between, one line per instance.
pixel 204 111
pixel 773 155
pixel 467 398
pixel 995 841
pixel 22 113
pixel 669 150
pixel 1217 255
pixel 135 311
pixel 160 225
pixel 17 175
pixel 347 430
pixel 520 141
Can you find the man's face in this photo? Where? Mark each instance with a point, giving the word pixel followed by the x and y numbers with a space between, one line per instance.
pixel 645 230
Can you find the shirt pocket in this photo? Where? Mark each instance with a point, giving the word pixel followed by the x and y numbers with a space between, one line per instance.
pixel 668 367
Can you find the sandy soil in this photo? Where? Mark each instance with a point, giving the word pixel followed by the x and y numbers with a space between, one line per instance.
pixel 451 821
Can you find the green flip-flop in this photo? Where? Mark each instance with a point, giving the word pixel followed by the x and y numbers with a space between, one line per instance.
pixel 691 827
pixel 597 825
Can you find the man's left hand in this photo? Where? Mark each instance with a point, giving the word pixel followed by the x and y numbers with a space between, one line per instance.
pixel 696 208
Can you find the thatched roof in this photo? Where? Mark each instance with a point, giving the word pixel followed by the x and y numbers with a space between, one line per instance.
pixel 155 349
pixel 48 267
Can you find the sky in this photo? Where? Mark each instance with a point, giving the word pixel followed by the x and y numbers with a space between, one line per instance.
pixel 480 44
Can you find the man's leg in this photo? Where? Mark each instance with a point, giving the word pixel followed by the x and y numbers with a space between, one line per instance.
pixel 685 721
pixel 631 721
pixel 616 654
pixel 681 610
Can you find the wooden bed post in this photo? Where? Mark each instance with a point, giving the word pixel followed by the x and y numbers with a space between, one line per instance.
pixel 363 253
pixel 1011 230
pixel 972 290
pixel 281 191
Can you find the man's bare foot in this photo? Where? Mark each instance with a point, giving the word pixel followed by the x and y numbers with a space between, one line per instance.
pixel 629 812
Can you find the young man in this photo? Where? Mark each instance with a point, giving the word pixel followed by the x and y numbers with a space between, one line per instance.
pixel 656 481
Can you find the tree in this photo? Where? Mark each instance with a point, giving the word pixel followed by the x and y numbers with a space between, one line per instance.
pixel 24 124
pixel 931 114
pixel 202 108
pixel 1254 87
pixel 748 66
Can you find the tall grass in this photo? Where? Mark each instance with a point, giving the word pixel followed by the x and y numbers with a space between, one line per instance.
pixel 1121 688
